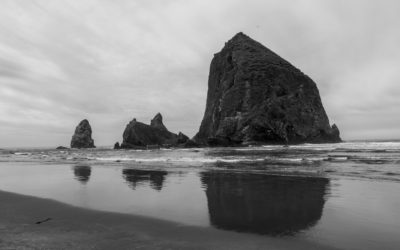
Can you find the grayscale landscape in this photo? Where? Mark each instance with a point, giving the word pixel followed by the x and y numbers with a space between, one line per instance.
pixel 199 124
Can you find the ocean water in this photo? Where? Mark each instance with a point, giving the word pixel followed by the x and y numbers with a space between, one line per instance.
pixel 342 195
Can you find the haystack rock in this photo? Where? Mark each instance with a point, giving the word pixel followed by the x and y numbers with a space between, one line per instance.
pixel 138 135
pixel 256 97
pixel 83 136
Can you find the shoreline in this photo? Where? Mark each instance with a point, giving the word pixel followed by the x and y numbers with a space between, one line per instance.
pixel 72 227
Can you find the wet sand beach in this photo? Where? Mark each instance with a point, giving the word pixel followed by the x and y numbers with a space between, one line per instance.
pixel 327 196
pixel 71 227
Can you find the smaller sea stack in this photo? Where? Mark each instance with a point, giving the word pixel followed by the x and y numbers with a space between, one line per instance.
pixel 82 137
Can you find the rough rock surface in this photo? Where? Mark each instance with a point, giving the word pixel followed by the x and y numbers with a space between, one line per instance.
pixel 157 122
pixel 191 144
pixel 138 134
pixel 255 96
pixel 83 136
pixel 117 146
pixel 182 138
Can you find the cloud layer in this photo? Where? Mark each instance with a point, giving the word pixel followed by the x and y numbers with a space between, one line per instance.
pixel 110 61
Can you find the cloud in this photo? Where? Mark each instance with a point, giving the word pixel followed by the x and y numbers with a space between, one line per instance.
pixel 110 61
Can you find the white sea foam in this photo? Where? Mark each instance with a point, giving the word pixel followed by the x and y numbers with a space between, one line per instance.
pixel 296 158
pixel 337 158
pixel 315 158
pixel 180 159
pixel 22 153
pixel 289 159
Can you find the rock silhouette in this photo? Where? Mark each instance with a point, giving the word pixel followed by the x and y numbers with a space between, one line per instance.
pixel 157 122
pixel 82 137
pixel 262 204
pixel 138 135
pixel 255 96
pixel 182 138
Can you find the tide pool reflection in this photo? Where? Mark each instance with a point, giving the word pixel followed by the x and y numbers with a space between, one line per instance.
pixel 82 173
pixel 135 177
pixel 256 203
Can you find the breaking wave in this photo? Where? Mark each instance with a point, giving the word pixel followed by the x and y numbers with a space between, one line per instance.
pixel 380 160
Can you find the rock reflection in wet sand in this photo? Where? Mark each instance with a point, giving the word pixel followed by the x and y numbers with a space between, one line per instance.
pixel 136 177
pixel 82 173
pixel 264 204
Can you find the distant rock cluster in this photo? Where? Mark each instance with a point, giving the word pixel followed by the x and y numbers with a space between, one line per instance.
pixel 140 135
pixel 254 97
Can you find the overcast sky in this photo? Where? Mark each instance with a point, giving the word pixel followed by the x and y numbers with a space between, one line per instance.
pixel 111 61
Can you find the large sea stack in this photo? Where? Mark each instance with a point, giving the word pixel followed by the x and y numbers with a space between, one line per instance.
pixel 137 135
pixel 82 137
pixel 255 97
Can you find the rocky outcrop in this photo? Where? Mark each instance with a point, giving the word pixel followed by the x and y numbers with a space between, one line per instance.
pixel 191 144
pixel 140 135
pixel 117 146
pixel 255 96
pixel 182 138
pixel 157 122
pixel 83 136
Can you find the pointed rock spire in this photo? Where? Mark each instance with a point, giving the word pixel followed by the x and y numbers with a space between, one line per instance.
pixel 157 122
